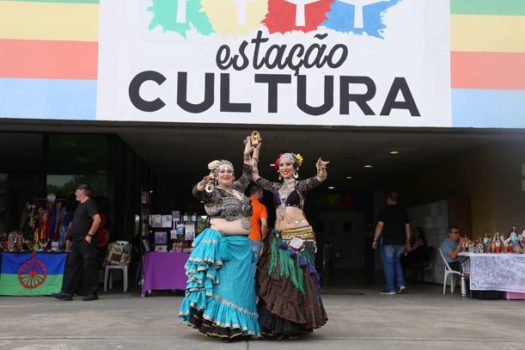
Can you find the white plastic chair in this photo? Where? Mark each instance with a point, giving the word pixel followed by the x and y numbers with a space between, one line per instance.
pixel 109 267
pixel 452 273
pixel 108 276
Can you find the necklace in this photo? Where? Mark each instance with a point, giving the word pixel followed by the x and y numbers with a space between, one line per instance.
pixel 227 189
pixel 285 190
pixel 232 191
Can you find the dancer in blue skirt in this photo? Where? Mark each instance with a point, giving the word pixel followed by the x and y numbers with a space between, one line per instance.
pixel 220 292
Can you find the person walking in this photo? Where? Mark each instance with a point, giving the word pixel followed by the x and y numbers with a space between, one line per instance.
pixel 393 227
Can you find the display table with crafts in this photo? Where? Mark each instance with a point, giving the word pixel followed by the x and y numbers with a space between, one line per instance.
pixel 497 272
pixel 163 271
pixel 27 273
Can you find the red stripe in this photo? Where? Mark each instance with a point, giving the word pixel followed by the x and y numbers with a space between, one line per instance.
pixel 488 70
pixel 48 59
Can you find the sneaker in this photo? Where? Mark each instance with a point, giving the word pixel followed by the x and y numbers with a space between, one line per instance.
pixel 90 297
pixel 388 292
pixel 63 296
pixel 401 290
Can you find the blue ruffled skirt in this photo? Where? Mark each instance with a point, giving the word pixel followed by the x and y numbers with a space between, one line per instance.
pixel 220 292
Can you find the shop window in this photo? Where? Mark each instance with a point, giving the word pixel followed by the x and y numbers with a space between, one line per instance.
pixel 74 159
pixel 64 185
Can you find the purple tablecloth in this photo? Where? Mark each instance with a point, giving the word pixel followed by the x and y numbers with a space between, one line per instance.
pixel 163 271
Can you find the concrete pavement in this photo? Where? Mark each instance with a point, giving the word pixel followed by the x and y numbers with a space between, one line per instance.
pixel 359 319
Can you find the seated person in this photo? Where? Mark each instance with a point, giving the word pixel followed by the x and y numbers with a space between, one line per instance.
pixel 451 247
pixel 417 254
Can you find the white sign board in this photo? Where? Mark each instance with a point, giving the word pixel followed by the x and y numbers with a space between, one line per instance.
pixel 305 62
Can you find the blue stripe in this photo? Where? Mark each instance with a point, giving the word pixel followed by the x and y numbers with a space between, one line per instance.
pixel 48 98
pixel 54 263
pixel 488 108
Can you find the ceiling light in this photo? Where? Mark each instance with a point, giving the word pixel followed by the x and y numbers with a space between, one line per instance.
pixel 393 152
pixel 331 187
pixel 369 166
pixel 349 178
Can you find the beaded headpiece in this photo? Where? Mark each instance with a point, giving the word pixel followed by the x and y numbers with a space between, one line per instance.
pixel 296 159
pixel 216 166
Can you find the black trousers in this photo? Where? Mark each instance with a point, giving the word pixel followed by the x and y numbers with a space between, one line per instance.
pixel 81 269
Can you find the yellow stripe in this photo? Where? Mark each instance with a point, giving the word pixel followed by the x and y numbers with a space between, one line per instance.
pixel 488 33
pixel 48 21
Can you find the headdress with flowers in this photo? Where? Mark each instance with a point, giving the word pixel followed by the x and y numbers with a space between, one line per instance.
pixel 296 158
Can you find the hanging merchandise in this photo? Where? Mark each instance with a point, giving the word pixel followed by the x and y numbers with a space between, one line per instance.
pixel 43 225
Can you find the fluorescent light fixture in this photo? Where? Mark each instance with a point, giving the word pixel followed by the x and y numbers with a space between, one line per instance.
pixel 393 152
pixel 369 166
pixel 331 187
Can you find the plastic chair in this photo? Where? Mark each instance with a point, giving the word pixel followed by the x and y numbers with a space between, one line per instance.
pixel 115 260
pixel 452 273
pixel 107 276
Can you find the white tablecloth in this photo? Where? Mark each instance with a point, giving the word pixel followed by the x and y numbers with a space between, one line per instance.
pixel 503 272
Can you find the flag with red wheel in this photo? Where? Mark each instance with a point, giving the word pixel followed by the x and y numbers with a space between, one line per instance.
pixel 32 273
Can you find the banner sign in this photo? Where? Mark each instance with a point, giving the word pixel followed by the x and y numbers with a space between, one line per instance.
pixel 303 62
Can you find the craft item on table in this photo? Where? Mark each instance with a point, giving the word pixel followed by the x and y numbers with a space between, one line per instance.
pixel 44 224
pixel 189 232
pixel 177 246
pixel 161 248
pixel 161 238
pixel 155 220
pixel 180 231
pixel 167 221
pixel 173 234
pixel 15 241
pixel 175 215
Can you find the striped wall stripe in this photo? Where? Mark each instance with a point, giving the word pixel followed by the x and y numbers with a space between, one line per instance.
pixel 48 59
pixel 488 7
pixel 488 70
pixel 48 99
pixel 60 1
pixel 49 21
pixel 488 108
pixel 487 33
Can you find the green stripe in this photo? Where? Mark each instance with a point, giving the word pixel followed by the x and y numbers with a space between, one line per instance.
pixel 488 7
pixel 10 285
pixel 61 1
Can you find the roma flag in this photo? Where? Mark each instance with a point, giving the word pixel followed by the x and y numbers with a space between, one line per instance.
pixel 32 274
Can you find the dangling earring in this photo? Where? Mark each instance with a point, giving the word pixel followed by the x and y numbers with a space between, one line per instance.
pixel 296 175
pixel 279 176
